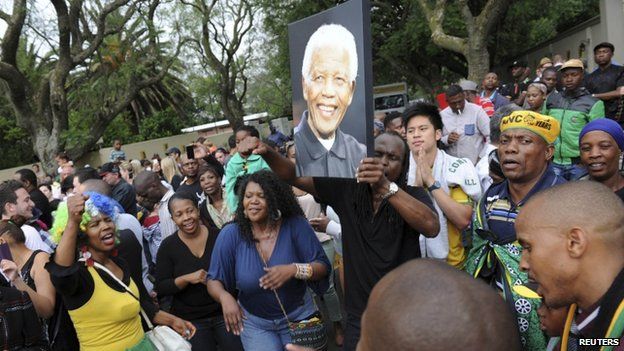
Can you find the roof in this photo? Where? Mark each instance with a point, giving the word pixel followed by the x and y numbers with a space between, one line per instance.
pixel 224 123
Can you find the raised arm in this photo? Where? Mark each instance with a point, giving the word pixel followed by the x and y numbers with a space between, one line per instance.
pixel 460 214
pixel 414 212
pixel 66 249
pixel 279 164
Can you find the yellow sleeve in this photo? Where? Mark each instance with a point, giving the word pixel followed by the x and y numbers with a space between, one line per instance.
pixel 457 254
pixel 458 194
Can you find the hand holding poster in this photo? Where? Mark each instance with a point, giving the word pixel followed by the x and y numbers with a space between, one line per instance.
pixel 332 97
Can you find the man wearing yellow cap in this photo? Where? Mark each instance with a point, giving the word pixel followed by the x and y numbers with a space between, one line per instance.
pixel 573 107
pixel 525 150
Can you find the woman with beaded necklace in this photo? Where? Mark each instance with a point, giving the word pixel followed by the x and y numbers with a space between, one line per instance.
pixel 269 254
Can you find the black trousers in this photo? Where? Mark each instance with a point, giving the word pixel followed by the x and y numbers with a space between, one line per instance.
pixel 352 332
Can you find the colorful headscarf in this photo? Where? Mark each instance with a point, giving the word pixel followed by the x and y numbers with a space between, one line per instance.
pixel 94 206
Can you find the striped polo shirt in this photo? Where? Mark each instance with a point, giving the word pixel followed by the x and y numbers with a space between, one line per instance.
pixel 501 211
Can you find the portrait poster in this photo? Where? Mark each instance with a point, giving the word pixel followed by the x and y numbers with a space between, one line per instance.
pixel 332 100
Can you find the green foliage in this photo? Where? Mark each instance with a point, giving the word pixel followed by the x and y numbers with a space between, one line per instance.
pixel 542 29
pixel 401 40
pixel 206 94
pixel 531 22
pixel 15 143
pixel 164 123
pixel 158 125
pixel 271 88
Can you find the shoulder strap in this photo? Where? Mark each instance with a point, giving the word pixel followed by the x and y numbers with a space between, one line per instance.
pixel 107 271
pixel 28 264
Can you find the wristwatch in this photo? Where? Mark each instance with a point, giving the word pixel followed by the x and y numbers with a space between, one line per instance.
pixel 392 189
pixel 434 186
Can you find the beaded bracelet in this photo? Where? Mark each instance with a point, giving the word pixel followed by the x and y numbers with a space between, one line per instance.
pixel 304 271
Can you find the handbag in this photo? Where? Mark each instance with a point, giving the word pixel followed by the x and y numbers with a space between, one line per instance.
pixel 162 337
pixel 309 332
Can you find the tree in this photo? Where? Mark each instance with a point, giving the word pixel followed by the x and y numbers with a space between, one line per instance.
pixel 272 85
pixel 14 141
pixel 224 52
pixel 40 98
pixel 474 46
pixel 403 51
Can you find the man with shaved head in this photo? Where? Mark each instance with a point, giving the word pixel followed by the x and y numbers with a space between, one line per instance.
pixel 450 311
pixel 150 192
pixel 428 305
pixel 575 254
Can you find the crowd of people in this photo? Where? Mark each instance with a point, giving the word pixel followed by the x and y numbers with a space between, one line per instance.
pixel 493 220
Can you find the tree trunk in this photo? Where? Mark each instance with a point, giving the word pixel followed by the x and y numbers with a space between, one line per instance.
pixel 474 46
pixel 232 109
pixel 477 57
pixel 46 145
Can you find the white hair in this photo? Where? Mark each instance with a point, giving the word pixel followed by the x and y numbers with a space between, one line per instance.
pixel 336 36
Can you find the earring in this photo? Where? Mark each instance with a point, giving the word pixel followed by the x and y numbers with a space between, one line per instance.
pixel 277 215
pixel 84 253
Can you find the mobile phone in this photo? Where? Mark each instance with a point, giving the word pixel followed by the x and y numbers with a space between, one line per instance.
pixel 190 152
pixel 5 252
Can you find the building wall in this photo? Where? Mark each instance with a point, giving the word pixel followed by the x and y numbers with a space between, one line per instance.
pixel 141 150
pixel 146 149
pixel 608 27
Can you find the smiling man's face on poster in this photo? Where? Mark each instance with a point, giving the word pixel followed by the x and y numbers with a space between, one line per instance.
pixel 328 88
pixel 328 74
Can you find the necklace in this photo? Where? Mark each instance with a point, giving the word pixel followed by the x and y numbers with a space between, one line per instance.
pixel 267 235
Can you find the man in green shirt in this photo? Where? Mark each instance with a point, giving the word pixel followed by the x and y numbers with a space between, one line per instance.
pixel 239 166
pixel 574 107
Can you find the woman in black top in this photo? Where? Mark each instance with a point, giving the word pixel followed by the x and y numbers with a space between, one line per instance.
pixel 214 210
pixel 32 279
pixel 181 265
pixel 26 273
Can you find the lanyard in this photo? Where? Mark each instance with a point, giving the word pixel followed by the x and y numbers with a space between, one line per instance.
pixel 568 325
pixel 614 331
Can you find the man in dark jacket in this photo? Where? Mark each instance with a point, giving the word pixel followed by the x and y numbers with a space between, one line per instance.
pixel 122 191
pixel 607 82
pixel 574 107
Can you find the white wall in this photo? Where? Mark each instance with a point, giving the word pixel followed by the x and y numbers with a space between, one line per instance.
pixel 608 27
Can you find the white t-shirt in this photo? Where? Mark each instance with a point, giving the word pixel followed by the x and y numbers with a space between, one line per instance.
pixel 33 240
pixel 128 221
pixel 483 168
pixel 473 126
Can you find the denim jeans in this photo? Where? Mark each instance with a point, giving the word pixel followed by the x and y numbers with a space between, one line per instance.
pixel 569 172
pixel 211 332
pixel 261 334
pixel 331 297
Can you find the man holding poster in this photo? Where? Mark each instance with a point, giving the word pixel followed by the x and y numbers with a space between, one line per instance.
pixel 329 69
